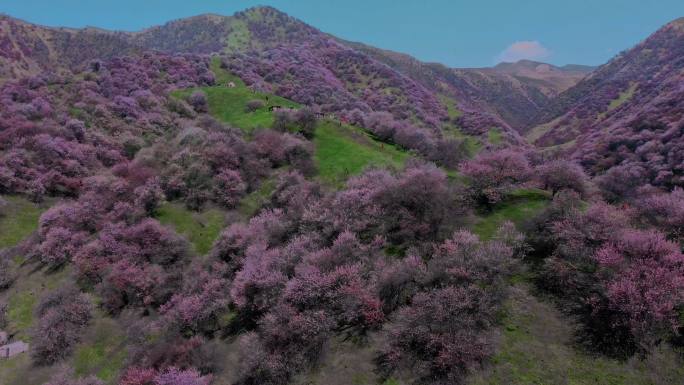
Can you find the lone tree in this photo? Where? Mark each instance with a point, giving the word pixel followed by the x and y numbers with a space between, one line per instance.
pixel 198 101
pixel 559 175
pixel 254 105
pixel 493 175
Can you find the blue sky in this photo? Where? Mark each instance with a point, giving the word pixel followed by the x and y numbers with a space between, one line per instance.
pixel 458 33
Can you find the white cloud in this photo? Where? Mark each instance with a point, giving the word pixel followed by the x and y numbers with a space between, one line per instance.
pixel 530 50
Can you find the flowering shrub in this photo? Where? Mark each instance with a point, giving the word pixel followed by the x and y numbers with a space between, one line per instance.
pixel 559 175
pixel 663 211
pixel 62 317
pixel 625 285
pixel 198 101
pixel 644 281
pixel 492 175
pixel 169 376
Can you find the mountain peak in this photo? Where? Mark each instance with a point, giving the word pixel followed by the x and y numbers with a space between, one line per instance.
pixel 519 64
pixel 678 23
pixel 530 67
pixel 263 12
pixel 264 9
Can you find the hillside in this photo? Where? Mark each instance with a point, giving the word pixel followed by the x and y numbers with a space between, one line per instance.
pixel 654 62
pixel 472 100
pixel 247 200
pixel 507 95
pixel 263 44
pixel 519 91
pixel 627 113
pixel 551 79
pixel 27 49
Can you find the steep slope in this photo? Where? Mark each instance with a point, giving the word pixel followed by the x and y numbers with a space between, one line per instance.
pixel 519 91
pixel 264 44
pixel 27 49
pixel 470 112
pixel 199 34
pixel 627 117
pixel 278 53
pixel 622 90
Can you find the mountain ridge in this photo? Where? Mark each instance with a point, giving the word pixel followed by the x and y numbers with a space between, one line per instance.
pixel 261 28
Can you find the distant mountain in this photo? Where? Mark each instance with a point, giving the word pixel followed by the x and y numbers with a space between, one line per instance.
pixel 519 91
pixel 550 79
pixel 511 93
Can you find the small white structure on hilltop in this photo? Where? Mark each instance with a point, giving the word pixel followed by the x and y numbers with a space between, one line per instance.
pixel 230 85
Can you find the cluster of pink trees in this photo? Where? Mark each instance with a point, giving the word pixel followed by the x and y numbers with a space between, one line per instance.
pixel 664 211
pixel 643 275
pixel 406 209
pixel 302 120
pixel 494 174
pixel 57 130
pixel 81 134
pixel 381 255
pixel 198 101
pixel 430 143
pixel 128 257
pixel 200 301
pixel 324 72
pixel 449 303
pixel 308 266
pixel 137 376
pixel 626 285
pixel 168 376
pixel 130 261
pixel 559 175
pixel 211 162
pixel 61 318
pixel 314 265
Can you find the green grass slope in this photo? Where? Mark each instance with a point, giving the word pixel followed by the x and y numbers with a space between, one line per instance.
pixel 537 343
pixel 229 104
pixel 537 347
pixel 520 205
pixel 200 228
pixel 342 151
pixel 19 220
pixel 103 351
